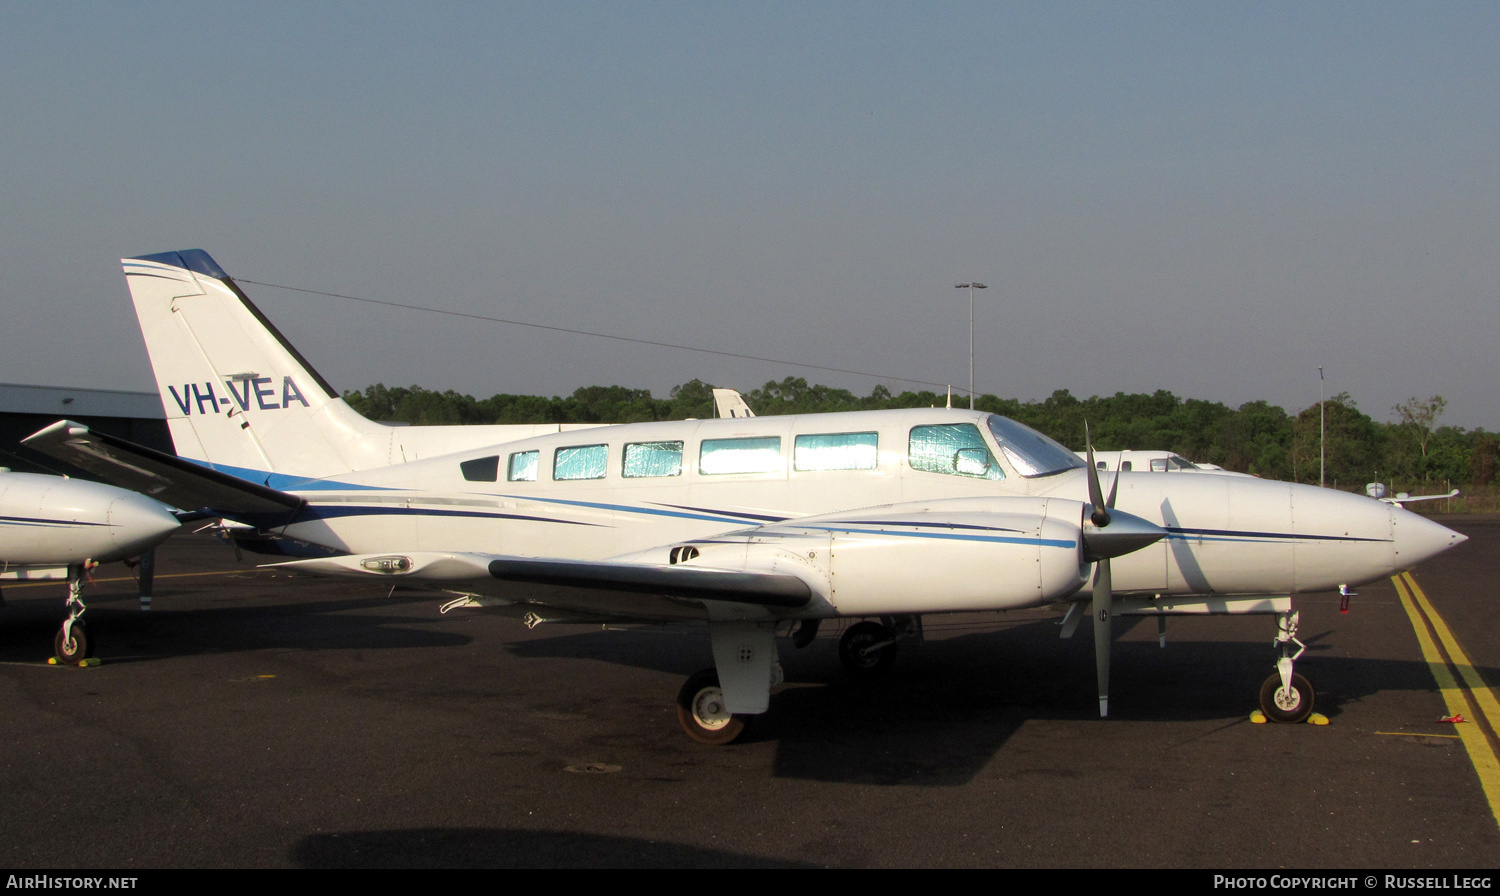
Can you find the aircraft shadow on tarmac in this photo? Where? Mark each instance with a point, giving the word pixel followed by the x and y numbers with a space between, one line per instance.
pixel 192 621
pixel 936 719
pixel 487 848
pixel 949 705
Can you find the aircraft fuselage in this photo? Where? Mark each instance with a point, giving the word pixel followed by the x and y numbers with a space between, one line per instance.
pixel 574 495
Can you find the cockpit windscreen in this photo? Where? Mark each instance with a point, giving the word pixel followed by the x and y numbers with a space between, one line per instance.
pixel 1030 452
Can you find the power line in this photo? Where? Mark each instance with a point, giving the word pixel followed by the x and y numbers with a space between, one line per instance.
pixel 522 323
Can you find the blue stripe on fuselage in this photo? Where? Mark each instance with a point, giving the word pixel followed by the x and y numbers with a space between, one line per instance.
pixel 951 536
pixel 1181 534
pixel 334 511
pixel 45 523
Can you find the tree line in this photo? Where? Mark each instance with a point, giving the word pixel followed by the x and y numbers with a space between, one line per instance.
pixel 1257 437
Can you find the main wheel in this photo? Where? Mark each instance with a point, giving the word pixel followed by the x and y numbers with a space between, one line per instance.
pixel 74 648
pixel 1287 705
pixel 703 713
pixel 859 653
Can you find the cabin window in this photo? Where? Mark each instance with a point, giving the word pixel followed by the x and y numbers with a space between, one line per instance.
pixel 1158 465
pixel 522 467
pixel 761 454
pixel 956 449
pixel 481 469
pixel 1125 466
pixel 647 459
pixel 835 451
pixel 580 462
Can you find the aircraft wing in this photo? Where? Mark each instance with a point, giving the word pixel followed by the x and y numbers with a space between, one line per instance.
pixel 576 590
pixel 165 477
pixel 1401 498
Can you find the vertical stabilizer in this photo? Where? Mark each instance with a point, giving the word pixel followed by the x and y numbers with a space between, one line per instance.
pixel 730 403
pixel 236 394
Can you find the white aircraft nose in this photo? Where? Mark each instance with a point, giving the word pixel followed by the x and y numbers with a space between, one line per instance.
pixel 137 523
pixel 1418 538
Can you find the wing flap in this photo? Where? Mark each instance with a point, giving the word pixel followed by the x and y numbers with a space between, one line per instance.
pixel 763 589
pixel 613 589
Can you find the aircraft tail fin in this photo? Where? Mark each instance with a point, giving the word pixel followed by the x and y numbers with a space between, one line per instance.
pixel 730 403
pixel 237 395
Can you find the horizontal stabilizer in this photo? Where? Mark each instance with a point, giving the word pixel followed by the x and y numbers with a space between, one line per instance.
pixel 165 477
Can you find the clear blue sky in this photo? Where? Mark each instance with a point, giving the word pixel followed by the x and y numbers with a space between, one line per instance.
pixel 1210 198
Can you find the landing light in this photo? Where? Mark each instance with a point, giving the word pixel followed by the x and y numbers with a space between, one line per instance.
pixel 387 565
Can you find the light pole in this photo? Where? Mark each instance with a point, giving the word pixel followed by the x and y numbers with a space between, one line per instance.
pixel 971 286
pixel 1322 430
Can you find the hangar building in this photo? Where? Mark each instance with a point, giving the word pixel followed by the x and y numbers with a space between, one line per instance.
pixel 136 416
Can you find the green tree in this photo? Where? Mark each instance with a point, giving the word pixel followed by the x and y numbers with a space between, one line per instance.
pixel 1419 417
pixel 793 395
pixel 1354 443
pixel 692 399
pixel 1254 439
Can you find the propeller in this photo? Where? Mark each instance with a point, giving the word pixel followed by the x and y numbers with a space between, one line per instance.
pixel 1115 533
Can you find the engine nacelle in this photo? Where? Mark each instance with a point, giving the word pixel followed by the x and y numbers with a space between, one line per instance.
pixel 53 521
pixel 952 555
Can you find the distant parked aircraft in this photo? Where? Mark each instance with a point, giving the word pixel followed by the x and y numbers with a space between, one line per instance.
pixel 51 526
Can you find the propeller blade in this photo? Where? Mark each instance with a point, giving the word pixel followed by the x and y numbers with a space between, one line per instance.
pixel 1100 514
pixel 1103 631
pixel 1115 533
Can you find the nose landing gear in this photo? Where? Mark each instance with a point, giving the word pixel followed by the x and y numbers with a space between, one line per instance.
pixel 1286 696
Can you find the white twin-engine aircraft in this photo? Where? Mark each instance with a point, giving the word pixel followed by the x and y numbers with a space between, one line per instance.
pixel 748 524
pixel 51 527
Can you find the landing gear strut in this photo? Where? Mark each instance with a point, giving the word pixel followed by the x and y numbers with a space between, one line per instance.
pixel 1286 696
pixel 72 644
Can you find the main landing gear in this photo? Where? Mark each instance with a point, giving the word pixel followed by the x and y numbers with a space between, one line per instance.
pixel 704 715
pixel 716 706
pixel 868 649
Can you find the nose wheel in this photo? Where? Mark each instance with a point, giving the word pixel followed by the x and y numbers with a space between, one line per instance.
pixel 72 644
pixel 1286 704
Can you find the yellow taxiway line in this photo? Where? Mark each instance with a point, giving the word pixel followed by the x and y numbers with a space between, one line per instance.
pixel 1426 622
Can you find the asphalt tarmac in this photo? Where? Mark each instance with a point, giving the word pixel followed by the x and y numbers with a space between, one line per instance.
pixel 256 720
